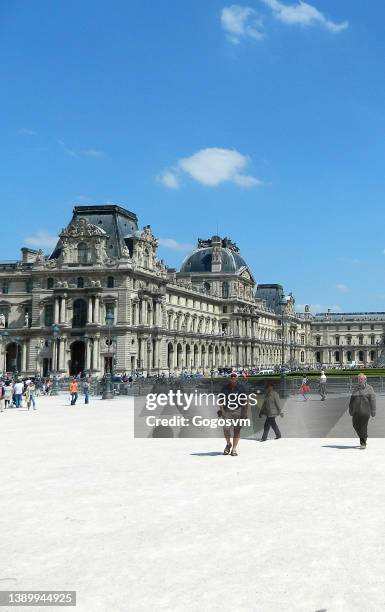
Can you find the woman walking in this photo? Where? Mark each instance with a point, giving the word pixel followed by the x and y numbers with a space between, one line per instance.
pixel 271 408
pixel 8 393
pixel 362 406
pixel 304 388
pixel 30 395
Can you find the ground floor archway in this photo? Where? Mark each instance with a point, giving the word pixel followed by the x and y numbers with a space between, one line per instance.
pixel 78 357
pixel 13 357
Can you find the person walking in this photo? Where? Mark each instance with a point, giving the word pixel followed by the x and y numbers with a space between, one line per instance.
pixel 2 401
pixel 8 393
pixel 234 405
pixel 304 388
pixel 362 406
pixel 86 391
pixel 74 389
pixel 322 385
pixel 19 389
pixel 271 408
pixel 30 395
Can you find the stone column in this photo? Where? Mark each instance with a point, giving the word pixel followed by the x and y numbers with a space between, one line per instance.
pixel 157 313
pixel 144 353
pixel 56 311
pixel 97 310
pixel 24 356
pixel 157 353
pixel 63 309
pixel 88 353
pixel 54 354
pixel 62 353
pixel 89 316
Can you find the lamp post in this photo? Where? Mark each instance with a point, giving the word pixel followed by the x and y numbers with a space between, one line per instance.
pixel 17 340
pixel 55 335
pixel 149 346
pixel 108 392
pixel 283 305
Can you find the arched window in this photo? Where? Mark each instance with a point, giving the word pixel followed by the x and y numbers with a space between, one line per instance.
pixel 110 282
pixel 225 289
pixel 337 356
pixel 80 282
pixel 80 313
pixel 50 282
pixel 360 355
pixel 82 252
pixel 207 287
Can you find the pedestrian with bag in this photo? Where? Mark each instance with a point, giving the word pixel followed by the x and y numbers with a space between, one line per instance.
pixel 271 408
pixel 362 406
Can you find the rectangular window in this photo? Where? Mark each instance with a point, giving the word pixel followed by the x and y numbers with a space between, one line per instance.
pixel 48 315
pixel 5 286
pixel 110 311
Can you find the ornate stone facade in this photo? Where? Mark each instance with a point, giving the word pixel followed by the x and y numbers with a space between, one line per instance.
pixel 102 297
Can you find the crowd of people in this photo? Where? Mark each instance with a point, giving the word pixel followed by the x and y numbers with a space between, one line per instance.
pixel 15 392
pixel 21 393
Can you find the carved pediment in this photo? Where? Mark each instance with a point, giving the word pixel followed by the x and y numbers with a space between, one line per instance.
pixel 81 228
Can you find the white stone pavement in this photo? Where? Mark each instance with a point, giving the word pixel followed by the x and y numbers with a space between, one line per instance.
pixel 159 524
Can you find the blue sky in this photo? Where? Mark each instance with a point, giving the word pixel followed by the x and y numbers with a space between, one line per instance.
pixel 264 120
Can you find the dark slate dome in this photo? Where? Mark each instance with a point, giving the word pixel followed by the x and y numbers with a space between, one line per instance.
pixel 200 261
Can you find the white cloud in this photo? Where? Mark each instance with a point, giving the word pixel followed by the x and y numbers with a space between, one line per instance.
pixel 303 14
pixel 342 288
pixel 213 166
pixel 27 132
pixel 169 179
pixel 170 243
pixel 67 151
pixel 41 239
pixel 96 153
pixel 241 22
pixel 93 153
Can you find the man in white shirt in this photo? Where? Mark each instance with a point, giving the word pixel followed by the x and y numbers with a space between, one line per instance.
pixel 18 388
pixel 322 385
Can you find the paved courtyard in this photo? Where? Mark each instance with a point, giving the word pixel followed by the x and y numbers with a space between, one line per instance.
pixel 172 524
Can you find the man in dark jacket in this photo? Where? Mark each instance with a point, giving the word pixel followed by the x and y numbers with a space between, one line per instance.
pixel 362 406
pixel 234 405
pixel 271 408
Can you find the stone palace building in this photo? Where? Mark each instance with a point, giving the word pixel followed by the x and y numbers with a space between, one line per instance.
pixel 103 300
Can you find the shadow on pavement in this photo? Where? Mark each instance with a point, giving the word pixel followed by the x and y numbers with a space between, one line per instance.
pixel 211 454
pixel 341 447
